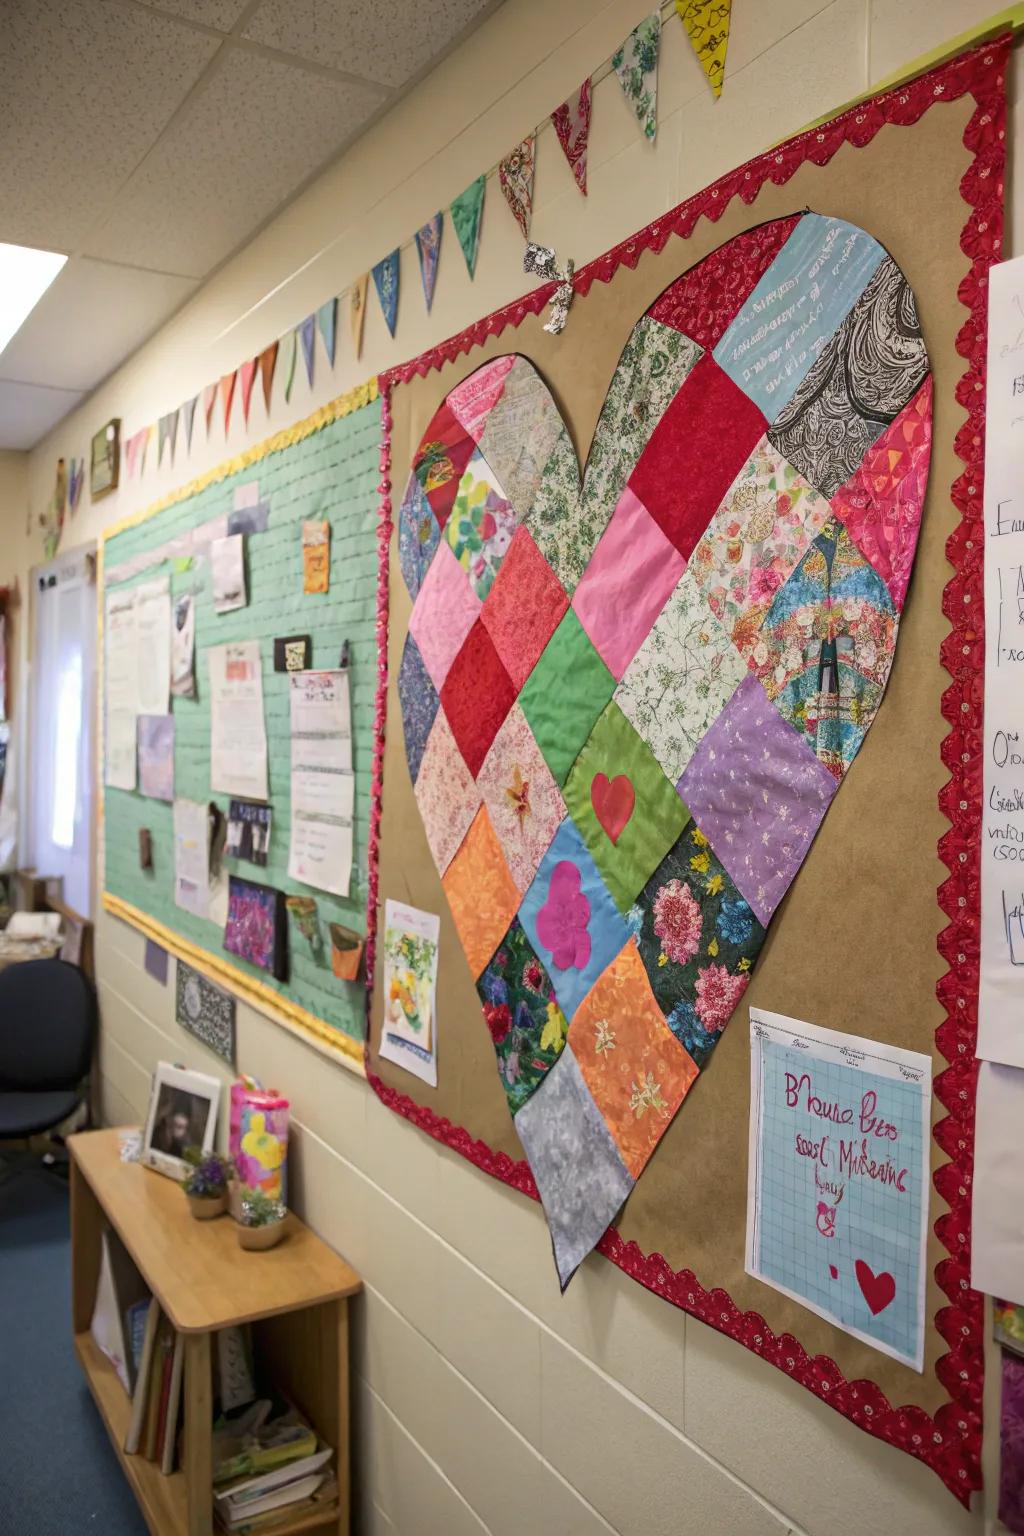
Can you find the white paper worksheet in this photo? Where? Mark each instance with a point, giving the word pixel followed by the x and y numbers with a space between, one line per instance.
pixel 153 645
pixel 121 689
pixel 322 789
pixel 192 856
pixel 238 736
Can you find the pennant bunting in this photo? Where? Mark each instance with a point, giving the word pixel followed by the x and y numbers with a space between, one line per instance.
pixel 147 434
pixel 168 433
pixel 707 26
pixel 292 343
pixel 307 335
pixel 327 324
pixel 131 453
pixel 466 211
pixel 247 378
pixel 357 312
pixel 571 122
pixel 162 429
pixel 385 280
pixel 76 479
pixel 187 413
pixel 636 64
pixel 268 362
pixel 227 395
pixel 515 174
pixel 428 245
pixel 209 401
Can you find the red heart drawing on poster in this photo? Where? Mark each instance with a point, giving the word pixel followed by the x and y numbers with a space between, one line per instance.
pixel 613 801
pixel 878 1290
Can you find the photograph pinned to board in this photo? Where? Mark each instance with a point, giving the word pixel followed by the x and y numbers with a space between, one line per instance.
pixel 182 1113
pixel 153 646
pixel 292 653
pixel 248 514
pixel 255 929
pixel 304 916
pixel 227 567
pixel 156 756
pixel 323 794
pixel 839 1177
pixel 248 834
pixel 238 735
pixel 409 1034
pixel 316 557
pixel 205 1011
pixel 183 647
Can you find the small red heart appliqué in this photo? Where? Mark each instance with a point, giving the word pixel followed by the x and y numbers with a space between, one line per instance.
pixel 833 1272
pixel 878 1290
pixel 613 801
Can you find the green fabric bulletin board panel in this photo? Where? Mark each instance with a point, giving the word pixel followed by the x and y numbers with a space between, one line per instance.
pixel 326 467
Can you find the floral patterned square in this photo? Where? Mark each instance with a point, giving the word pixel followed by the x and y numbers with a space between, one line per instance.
pixel 418 698
pixel 521 1011
pixel 443 614
pixel 521 434
pixel 481 893
pixel 442 456
pixel 698 940
pixel 481 524
pixel 445 793
pixel 681 678
pixel 418 536
pixel 524 607
pixel 522 798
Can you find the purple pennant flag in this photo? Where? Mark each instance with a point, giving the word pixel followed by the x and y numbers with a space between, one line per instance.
pixel 385 280
pixel 326 319
pixel 428 244
pixel 307 335
pixel 188 416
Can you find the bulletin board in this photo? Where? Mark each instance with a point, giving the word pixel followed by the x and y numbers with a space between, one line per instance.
pixel 324 468
pixel 876 935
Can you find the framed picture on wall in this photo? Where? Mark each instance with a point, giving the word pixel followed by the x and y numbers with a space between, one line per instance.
pixel 105 460
pixel 182 1113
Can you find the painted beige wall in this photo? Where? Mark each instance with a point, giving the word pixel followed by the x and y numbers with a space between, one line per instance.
pixel 486 1402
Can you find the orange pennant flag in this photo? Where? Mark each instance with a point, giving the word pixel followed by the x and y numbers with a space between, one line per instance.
pixel 209 401
pixel 357 311
pixel 247 376
pixel 268 362
pixel 227 394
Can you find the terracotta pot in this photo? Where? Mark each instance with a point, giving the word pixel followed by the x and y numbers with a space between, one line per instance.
pixel 205 1207
pixel 262 1237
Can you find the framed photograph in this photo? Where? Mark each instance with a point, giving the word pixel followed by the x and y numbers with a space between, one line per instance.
pixel 105 460
pixel 182 1113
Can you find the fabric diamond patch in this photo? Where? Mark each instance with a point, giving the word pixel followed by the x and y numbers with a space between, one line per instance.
pixel 443 614
pixel 698 940
pixel 627 811
pixel 522 798
pixel 477 695
pixel 418 698
pixel 521 434
pixel 418 535
pixel 527 1026
pixel 570 918
pixel 445 793
pixel 442 456
pixel 681 678
pixel 758 794
pixel 473 401
pixel 480 525
pixel 705 300
pixel 635 1068
pixel 564 694
pixel 481 893
pixel 581 1178
pixel 524 607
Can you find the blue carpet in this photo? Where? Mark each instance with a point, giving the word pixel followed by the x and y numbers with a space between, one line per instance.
pixel 59 1475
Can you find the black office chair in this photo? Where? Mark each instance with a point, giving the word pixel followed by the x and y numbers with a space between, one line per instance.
pixel 47 1032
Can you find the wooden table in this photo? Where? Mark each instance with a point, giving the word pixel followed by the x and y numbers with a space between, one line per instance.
pixel 295 1295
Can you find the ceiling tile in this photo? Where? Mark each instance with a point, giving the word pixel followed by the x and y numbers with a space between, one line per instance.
pixel 257 129
pixel 28 411
pixel 221 14
pixel 385 42
pixel 85 89
pixel 88 321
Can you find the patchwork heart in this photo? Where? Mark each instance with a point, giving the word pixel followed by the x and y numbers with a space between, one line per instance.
pixel 628 698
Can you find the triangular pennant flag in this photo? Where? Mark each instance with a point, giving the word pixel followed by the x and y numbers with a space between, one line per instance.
pixel 209 401
pixel 188 416
pixel 76 479
pixel 327 322
pixel 515 173
pixel 131 451
pixel 227 394
pixel 164 429
pixel 571 122
pixel 707 24
pixel 307 335
pixel 465 212
pixel 292 343
pixel 247 378
pixel 385 280
pixel 636 64
pixel 268 362
pixel 357 312
pixel 146 435
pixel 428 244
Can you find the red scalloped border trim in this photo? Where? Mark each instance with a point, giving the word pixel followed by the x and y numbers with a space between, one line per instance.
pixel 949 1443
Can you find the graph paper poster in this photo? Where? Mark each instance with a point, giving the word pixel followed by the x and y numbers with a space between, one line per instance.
pixel 837 1194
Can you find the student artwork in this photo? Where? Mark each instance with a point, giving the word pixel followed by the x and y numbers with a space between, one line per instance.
pixel 303 913
pixel 292 653
pixel 205 1011
pixel 630 697
pixel 411 941
pixel 255 928
pixel 346 952
pixel 248 833
pixel 316 556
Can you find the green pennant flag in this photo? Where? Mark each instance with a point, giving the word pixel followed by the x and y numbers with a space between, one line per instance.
pixel 289 377
pixel 466 211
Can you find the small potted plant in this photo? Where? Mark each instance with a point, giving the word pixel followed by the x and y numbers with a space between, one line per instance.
pixel 206 1183
pixel 262 1223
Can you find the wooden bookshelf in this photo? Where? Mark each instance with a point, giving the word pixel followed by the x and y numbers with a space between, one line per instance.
pixel 295 1296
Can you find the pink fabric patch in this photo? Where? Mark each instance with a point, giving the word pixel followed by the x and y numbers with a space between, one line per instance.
pixel 473 400
pixel 523 800
pixel 562 920
pixel 630 578
pixel 443 614
pixel 445 793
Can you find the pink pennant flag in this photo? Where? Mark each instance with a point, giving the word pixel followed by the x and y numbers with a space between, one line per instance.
pixel 515 173
pixel 227 394
pixel 571 122
pixel 147 434
pixel 209 401
pixel 131 452
pixel 247 378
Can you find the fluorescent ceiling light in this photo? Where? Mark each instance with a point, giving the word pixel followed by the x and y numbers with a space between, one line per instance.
pixel 25 275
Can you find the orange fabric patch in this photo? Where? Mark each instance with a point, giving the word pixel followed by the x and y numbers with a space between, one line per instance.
pixel 633 1064
pixel 481 893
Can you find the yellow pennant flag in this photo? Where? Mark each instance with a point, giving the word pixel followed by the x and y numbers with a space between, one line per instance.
pixel 707 25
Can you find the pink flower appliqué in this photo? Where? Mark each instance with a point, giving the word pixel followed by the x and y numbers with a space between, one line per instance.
pixel 677 921
pixel 562 920
pixel 717 996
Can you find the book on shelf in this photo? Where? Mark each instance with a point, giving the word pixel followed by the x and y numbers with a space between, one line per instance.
pixel 167 1365
pixel 120 1292
pixel 156 1376
pixel 173 1406
pixel 140 1396
pixel 284 1516
pixel 248 1491
pixel 259 1440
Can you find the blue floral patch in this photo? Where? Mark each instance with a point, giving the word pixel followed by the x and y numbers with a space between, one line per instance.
pixel 420 704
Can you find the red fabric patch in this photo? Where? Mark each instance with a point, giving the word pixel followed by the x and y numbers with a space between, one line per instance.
pixel 524 607
pixel 444 453
pixel 695 453
pixel 477 695
pixel 705 301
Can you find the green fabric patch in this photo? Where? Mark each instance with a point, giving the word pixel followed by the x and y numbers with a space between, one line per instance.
pixel 626 839
pixel 564 694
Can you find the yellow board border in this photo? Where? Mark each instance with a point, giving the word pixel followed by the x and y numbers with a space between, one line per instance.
pixel 298 1021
